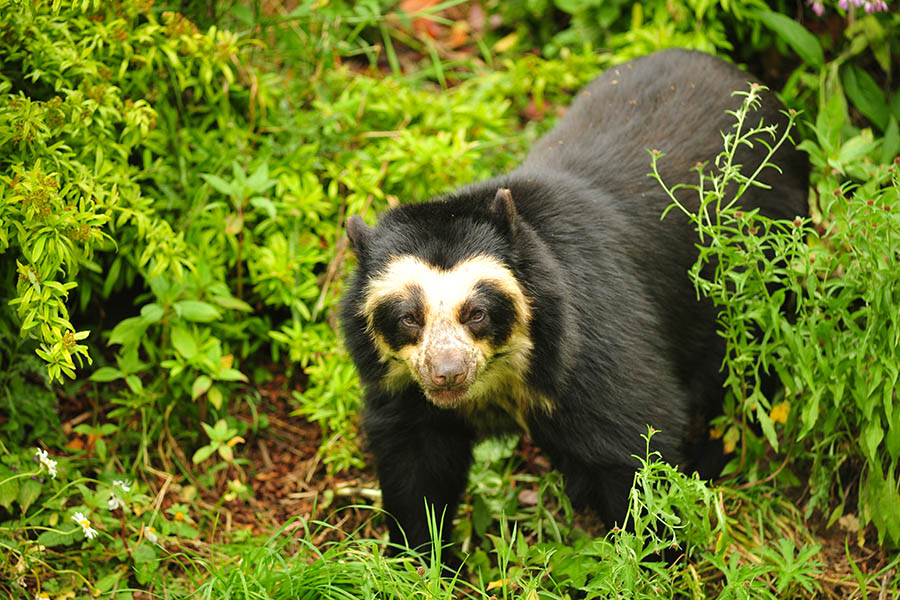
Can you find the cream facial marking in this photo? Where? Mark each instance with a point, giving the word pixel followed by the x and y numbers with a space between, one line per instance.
pixel 444 290
pixel 427 324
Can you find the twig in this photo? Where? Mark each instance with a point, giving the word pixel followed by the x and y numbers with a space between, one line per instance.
pixel 883 593
pixel 157 503
pixel 264 451
pixel 314 464
pixel 69 425
pixel 771 476
pixel 358 491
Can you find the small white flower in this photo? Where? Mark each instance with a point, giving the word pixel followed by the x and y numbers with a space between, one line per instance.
pixel 114 502
pixel 89 532
pixel 150 534
pixel 42 596
pixel 124 484
pixel 46 462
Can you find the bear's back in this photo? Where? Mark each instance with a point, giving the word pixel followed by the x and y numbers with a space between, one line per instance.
pixel 674 101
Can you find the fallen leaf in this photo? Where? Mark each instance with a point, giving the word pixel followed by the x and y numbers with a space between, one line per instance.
pixel 414 6
pixel 459 35
pixel 779 413
pixel 505 43
pixel 849 522
pixel 528 497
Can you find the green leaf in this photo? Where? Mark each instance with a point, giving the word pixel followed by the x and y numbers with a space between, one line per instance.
pixel 243 14
pixel 226 452
pixel 880 496
pixel 494 449
pixel 152 313
pixel 810 412
pixel 865 94
pixel 887 392
pixel 856 148
pixel 232 303
pixel 184 343
pixel 38 249
pixel 57 538
pixel 108 581
pixel 481 515
pixel 214 396
pixel 112 276
pixel 831 119
pixel 796 35
pixel 892 443
pixel 265 204
pixel 890 145
pixel 197 311
pixel 201 384
pixel 220 430
pixel 134 384
pixel 202 454
pixel 231 375
pixel 259 180
pixel 9 489
pixel 128 331
pixel 571 7
pixel 104 374
pixel 766 423
pixel 145 562
pixel 220 184
pixel 872 436
pixel 28 493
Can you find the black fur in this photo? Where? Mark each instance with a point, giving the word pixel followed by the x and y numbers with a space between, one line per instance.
pixel 387 317
pixel 499 312
pixel 620 339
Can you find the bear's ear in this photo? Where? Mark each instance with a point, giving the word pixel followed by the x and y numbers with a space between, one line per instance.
pixel 504 210
pixel 359 234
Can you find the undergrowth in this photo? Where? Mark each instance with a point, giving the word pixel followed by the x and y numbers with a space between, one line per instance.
pixel 173 192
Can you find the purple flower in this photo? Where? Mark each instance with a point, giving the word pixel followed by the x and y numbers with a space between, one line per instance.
pixel 876 6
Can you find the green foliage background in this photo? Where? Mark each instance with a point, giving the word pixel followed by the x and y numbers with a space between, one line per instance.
pixel 173 187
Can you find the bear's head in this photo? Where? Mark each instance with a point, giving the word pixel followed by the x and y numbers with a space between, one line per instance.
pixel 440 301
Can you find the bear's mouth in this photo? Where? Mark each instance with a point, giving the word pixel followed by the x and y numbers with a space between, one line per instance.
pixel 447 397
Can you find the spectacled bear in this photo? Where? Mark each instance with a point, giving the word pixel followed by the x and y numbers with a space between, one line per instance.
pixel 553 300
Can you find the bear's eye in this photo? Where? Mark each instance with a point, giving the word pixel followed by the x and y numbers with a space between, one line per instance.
pixel 476 316
pixel 409 321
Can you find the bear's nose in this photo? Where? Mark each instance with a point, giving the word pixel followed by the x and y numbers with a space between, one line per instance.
pixel 448 371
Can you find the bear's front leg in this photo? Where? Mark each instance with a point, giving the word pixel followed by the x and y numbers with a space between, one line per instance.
pixel 422 453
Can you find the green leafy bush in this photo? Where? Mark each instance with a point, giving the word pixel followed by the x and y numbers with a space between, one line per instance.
pixel 194 202
pixel 817 307
pixel 172 197
pixel 76 119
